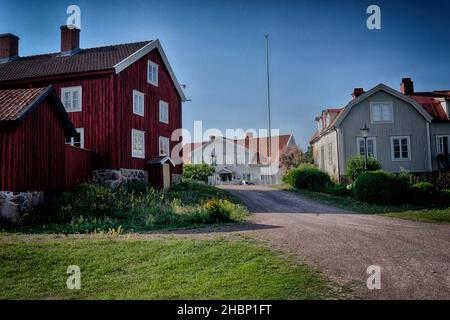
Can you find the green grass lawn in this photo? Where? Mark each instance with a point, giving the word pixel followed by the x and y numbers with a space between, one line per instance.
pixel 410 212
pixel 424 215
pixel 154 269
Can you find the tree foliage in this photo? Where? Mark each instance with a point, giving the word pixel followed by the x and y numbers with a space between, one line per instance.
pixel 355 166
pixel 197 172
pixel 294 158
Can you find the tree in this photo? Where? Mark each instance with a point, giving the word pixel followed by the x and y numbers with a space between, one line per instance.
pixel 355 166
pixel 197 172
pixel 293 158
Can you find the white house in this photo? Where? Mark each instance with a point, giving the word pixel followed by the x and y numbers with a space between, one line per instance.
pixel 238 160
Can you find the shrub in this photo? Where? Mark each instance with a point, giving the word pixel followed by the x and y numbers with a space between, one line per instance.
pixel 136 187
pixel 355 166
pixel 219 210
pixel 339 190
pixel 380 187
pixel 197 172
pixel 308 177
pixel 423 192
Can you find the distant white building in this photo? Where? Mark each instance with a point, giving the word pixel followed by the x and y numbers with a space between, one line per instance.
pixel 238 160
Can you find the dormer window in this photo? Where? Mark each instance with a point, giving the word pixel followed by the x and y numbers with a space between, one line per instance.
pixel 152 73
pixel 381 112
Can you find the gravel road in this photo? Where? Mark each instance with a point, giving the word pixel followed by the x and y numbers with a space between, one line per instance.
pixel 414 257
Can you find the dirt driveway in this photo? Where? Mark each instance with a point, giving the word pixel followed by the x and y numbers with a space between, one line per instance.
pixel 414 257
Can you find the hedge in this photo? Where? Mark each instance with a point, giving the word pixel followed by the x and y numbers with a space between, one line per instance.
pixel 381 187
pixel 308 177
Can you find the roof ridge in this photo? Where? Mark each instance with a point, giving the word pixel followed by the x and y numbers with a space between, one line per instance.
pixel 86 49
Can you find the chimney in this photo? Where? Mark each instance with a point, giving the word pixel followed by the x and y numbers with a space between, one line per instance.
pixel 70 40
pixel 9 47
pixel 357 92
pixel 212 138
pixel 407 86
pixel 249 135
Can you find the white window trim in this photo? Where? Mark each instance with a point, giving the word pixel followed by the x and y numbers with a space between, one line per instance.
pixel 162 138
pixel 159 111
pixel 409 148
pixel 141 94
pixel 72 139
pixel 71 89
pixel 391 103
pixel 133 154
pixel 437 141
pixel 358 139
pixel 151 63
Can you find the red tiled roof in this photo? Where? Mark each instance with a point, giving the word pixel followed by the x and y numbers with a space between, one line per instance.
pixel 86 60
pixel 432 106
pixel 14 102
pixel 255 144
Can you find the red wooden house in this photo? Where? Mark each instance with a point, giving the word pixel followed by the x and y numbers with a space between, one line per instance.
pixel 124 100
pixel 33 125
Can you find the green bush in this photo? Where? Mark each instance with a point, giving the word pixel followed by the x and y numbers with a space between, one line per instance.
pixel 219 209
pixel 340 190
pixel 308 177
pixel 380 187
pixel 423 193
pixel 197 172
pixel 355 166
pixel 136 187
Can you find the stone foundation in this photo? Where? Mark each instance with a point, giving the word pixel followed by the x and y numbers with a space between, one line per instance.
pixel 176 179
pixel 14 206
pixel 114 178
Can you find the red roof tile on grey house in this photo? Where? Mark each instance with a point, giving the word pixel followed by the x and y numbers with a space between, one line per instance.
pixel 85 60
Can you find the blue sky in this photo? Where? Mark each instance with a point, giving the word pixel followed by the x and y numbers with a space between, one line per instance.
pixel 320 51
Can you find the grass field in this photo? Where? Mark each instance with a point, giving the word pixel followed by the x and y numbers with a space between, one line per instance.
pixel 154 269
pixel 410 212
pixel 93 208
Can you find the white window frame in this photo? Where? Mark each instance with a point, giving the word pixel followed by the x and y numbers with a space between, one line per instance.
pixel 165 104
pixel 72 139
pixel 376 103
pixel 70 90
pixel 408 141
pixel 438 144
pixel 137 94
pixel 138 154
pixel 155 65
pixel 374 139
pixel 164 140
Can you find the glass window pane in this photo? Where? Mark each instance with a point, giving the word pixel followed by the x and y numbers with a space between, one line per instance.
pixel 376 113
pixel 387 112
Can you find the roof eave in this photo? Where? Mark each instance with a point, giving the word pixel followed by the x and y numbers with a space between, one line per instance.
pixel 128 61
pixel 49 92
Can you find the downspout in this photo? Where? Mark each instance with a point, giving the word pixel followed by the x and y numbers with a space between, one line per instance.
pixel 337 149
pixel 430 168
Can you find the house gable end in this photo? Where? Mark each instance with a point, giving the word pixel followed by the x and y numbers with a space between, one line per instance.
pixel 122 65
pixel 388 90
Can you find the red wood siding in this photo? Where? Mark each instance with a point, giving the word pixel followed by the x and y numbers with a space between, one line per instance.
pixel 78 166
pixel 135 78
pixel 97 115
pixel 107 111
pixel 32 155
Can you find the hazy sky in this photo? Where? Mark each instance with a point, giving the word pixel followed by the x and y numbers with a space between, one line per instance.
pixel 320 50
